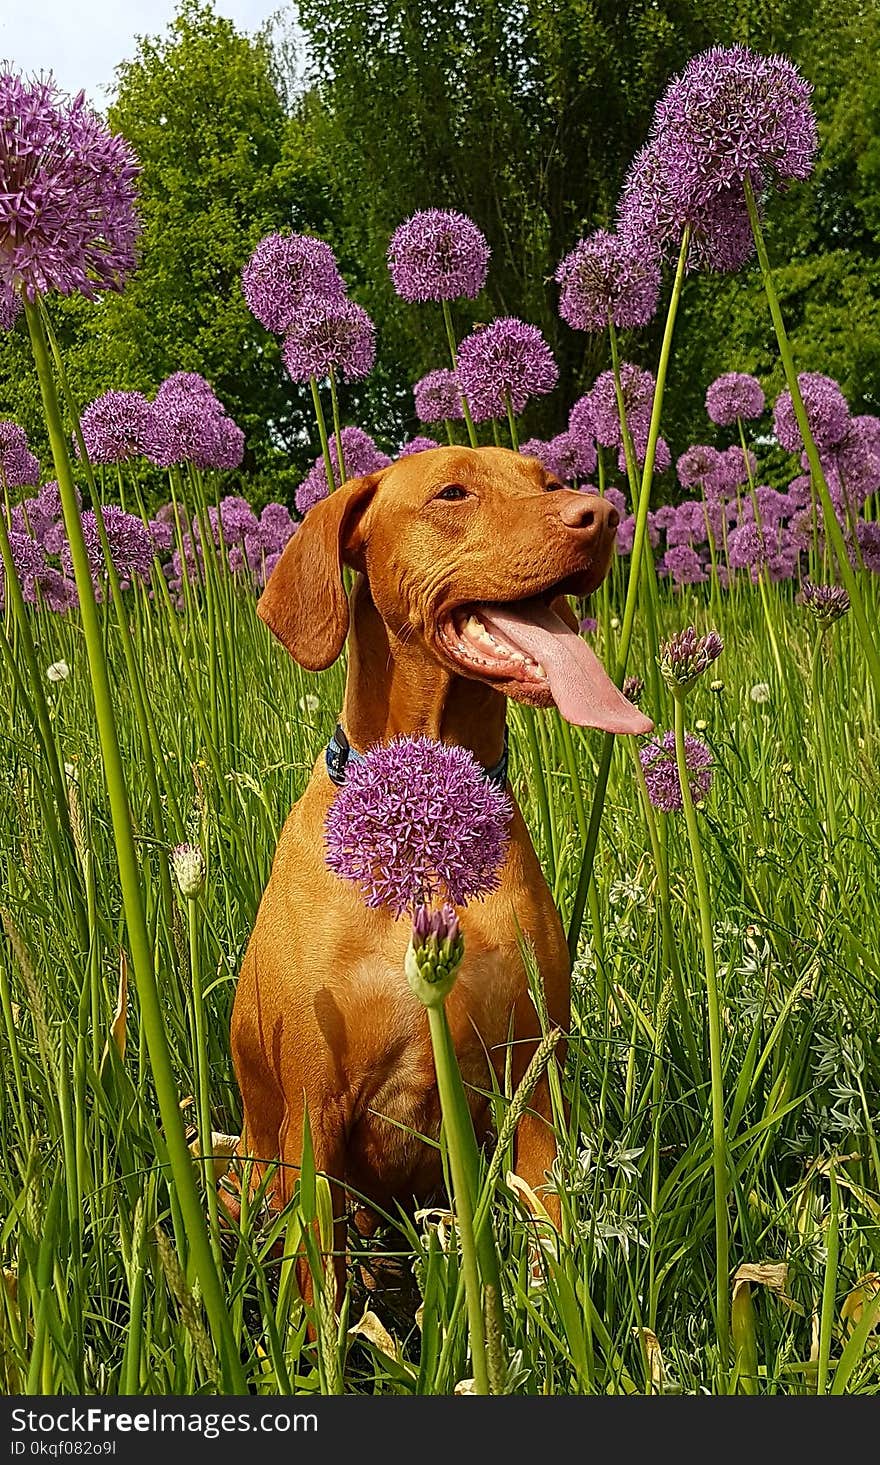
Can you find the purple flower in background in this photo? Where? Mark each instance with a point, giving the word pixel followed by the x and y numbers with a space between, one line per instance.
pixel 730 473
pixel 329 334
pixel 236 518
pixel 438 396
pixel 117 426
pixel 438 254
pixel 637 387
pixel 190 383
pixel 361 457
pixel 698 465
pixel 856 461
pixel 570 457
pixel 827 413
pixel 162 534
pixel 230 447
pixel 507 361
pixel 747 548
pixel 868 536
pixel 130 542
pixel 28 559
pixel 11 306
pixel 613 496
pixel 605 277
pixel 734 395
pixel 282 271
pixel 773 506
pixel 661 771
pixel 588 625
pixel 415 820
pixel 688 523
pixel 581 422
pixel 55 590
pixel 684 565
pixel 662 454
pixel 18 466
pixel 185 428
pixel 67 204
pixel 655 206
pixel 49 500
pixel 536 447
pixel 417 445
pixel 276 526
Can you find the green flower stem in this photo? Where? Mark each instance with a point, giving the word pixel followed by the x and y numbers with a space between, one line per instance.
pixel 826 777
pixel 530 718
pixel 719 1138
pixel 129 876
pixel 829 1286
pixel 337 426
pixel 762 576
pixel 511 423
pixel 450 435
pixel 453 352
pixel 203 1089
pixel 833 531
pixel 322 433
pixel 459 1145
pixel 629 609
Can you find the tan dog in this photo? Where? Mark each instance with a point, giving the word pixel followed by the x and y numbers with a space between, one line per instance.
pixel 460 555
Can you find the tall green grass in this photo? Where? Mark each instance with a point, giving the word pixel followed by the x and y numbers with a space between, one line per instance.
pixel 217 738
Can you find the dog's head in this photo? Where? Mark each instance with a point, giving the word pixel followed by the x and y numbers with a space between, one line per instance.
pixel 472 551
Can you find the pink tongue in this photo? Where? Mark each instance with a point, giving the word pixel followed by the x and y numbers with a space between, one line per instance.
pixel 582 689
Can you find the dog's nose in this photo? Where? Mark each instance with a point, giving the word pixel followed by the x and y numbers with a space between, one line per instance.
pixel 587 511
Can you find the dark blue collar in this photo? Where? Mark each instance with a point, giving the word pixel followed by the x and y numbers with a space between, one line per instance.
pixel 340 751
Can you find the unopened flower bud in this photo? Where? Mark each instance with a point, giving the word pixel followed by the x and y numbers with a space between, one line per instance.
pixel 188 864
pixel 434 954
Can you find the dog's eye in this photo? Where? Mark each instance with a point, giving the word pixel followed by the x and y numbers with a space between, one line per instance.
pixel 452 493
pixel 552 486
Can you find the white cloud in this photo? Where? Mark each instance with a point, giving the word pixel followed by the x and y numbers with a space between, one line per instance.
pixel 81 41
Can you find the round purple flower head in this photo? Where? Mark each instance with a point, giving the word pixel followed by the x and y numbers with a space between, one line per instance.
pixel 416 445
pixel 360 456
pixel 857 457
pixel 185 427
pixel 827 413
pixel 230 445
pixel 655 205
pixel 684 565
pixel 662 453
pixel 580 419
pixel 18 466
pixel 28 560
pixel 438 254
pixel 570 457
pixel 131 545
pixel 438 396
pixel 117 426
pixel 276 526
pixel 282 271
pixel 11 306
pixel 67 204
pixel 638 397
pixel 606 277
pixel 698 465
pixel 415 820
pixel 661 771
pixel 508 361
pixel 329 334
pixel 734 395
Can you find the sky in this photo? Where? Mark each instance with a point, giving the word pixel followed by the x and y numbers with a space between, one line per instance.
pixel 81 41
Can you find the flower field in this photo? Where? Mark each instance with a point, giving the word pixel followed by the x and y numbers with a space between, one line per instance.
pixel 717 1114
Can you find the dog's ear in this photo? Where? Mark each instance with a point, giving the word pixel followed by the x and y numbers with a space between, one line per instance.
pixel 304 603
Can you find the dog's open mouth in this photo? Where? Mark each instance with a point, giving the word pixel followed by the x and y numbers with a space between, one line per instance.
pixel 526 646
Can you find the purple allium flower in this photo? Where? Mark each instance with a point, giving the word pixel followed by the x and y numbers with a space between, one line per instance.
pixel 662 454
pixel 67 204
pixel 28 559
pixel 190 383
pixel 130 542
pixel 826 602
pixel 697 466
pixel 580 419
pixel 827 413
pixel 730 472
pixel 536 447
pixel 237 518
pixel 56 591
pixel 329 334
pixel 185 428
pixel 282 271
pixel 587 625
pixel 435 926
pixel 686 655
pixel 613 496
pixel 438 254
pixel 661 771
pixel 438 397
pixel 633 688
pixel 416 445
pixel 605 277
pixel 637 387
pixel 416 820
pixel 360 457
pixel 684 565
pixel 49 500
pixel 734 395
pixel 18 466
pixel 276 526
pixel 773 506
pixel 855 466
pixel 868 536
pixel 11 306
pixel 747 547
pixel 656 204
pixel 230 446
pixel 162 535
pixel 570 457
pixel 117 426
pixel 506 361
pixel 687 524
